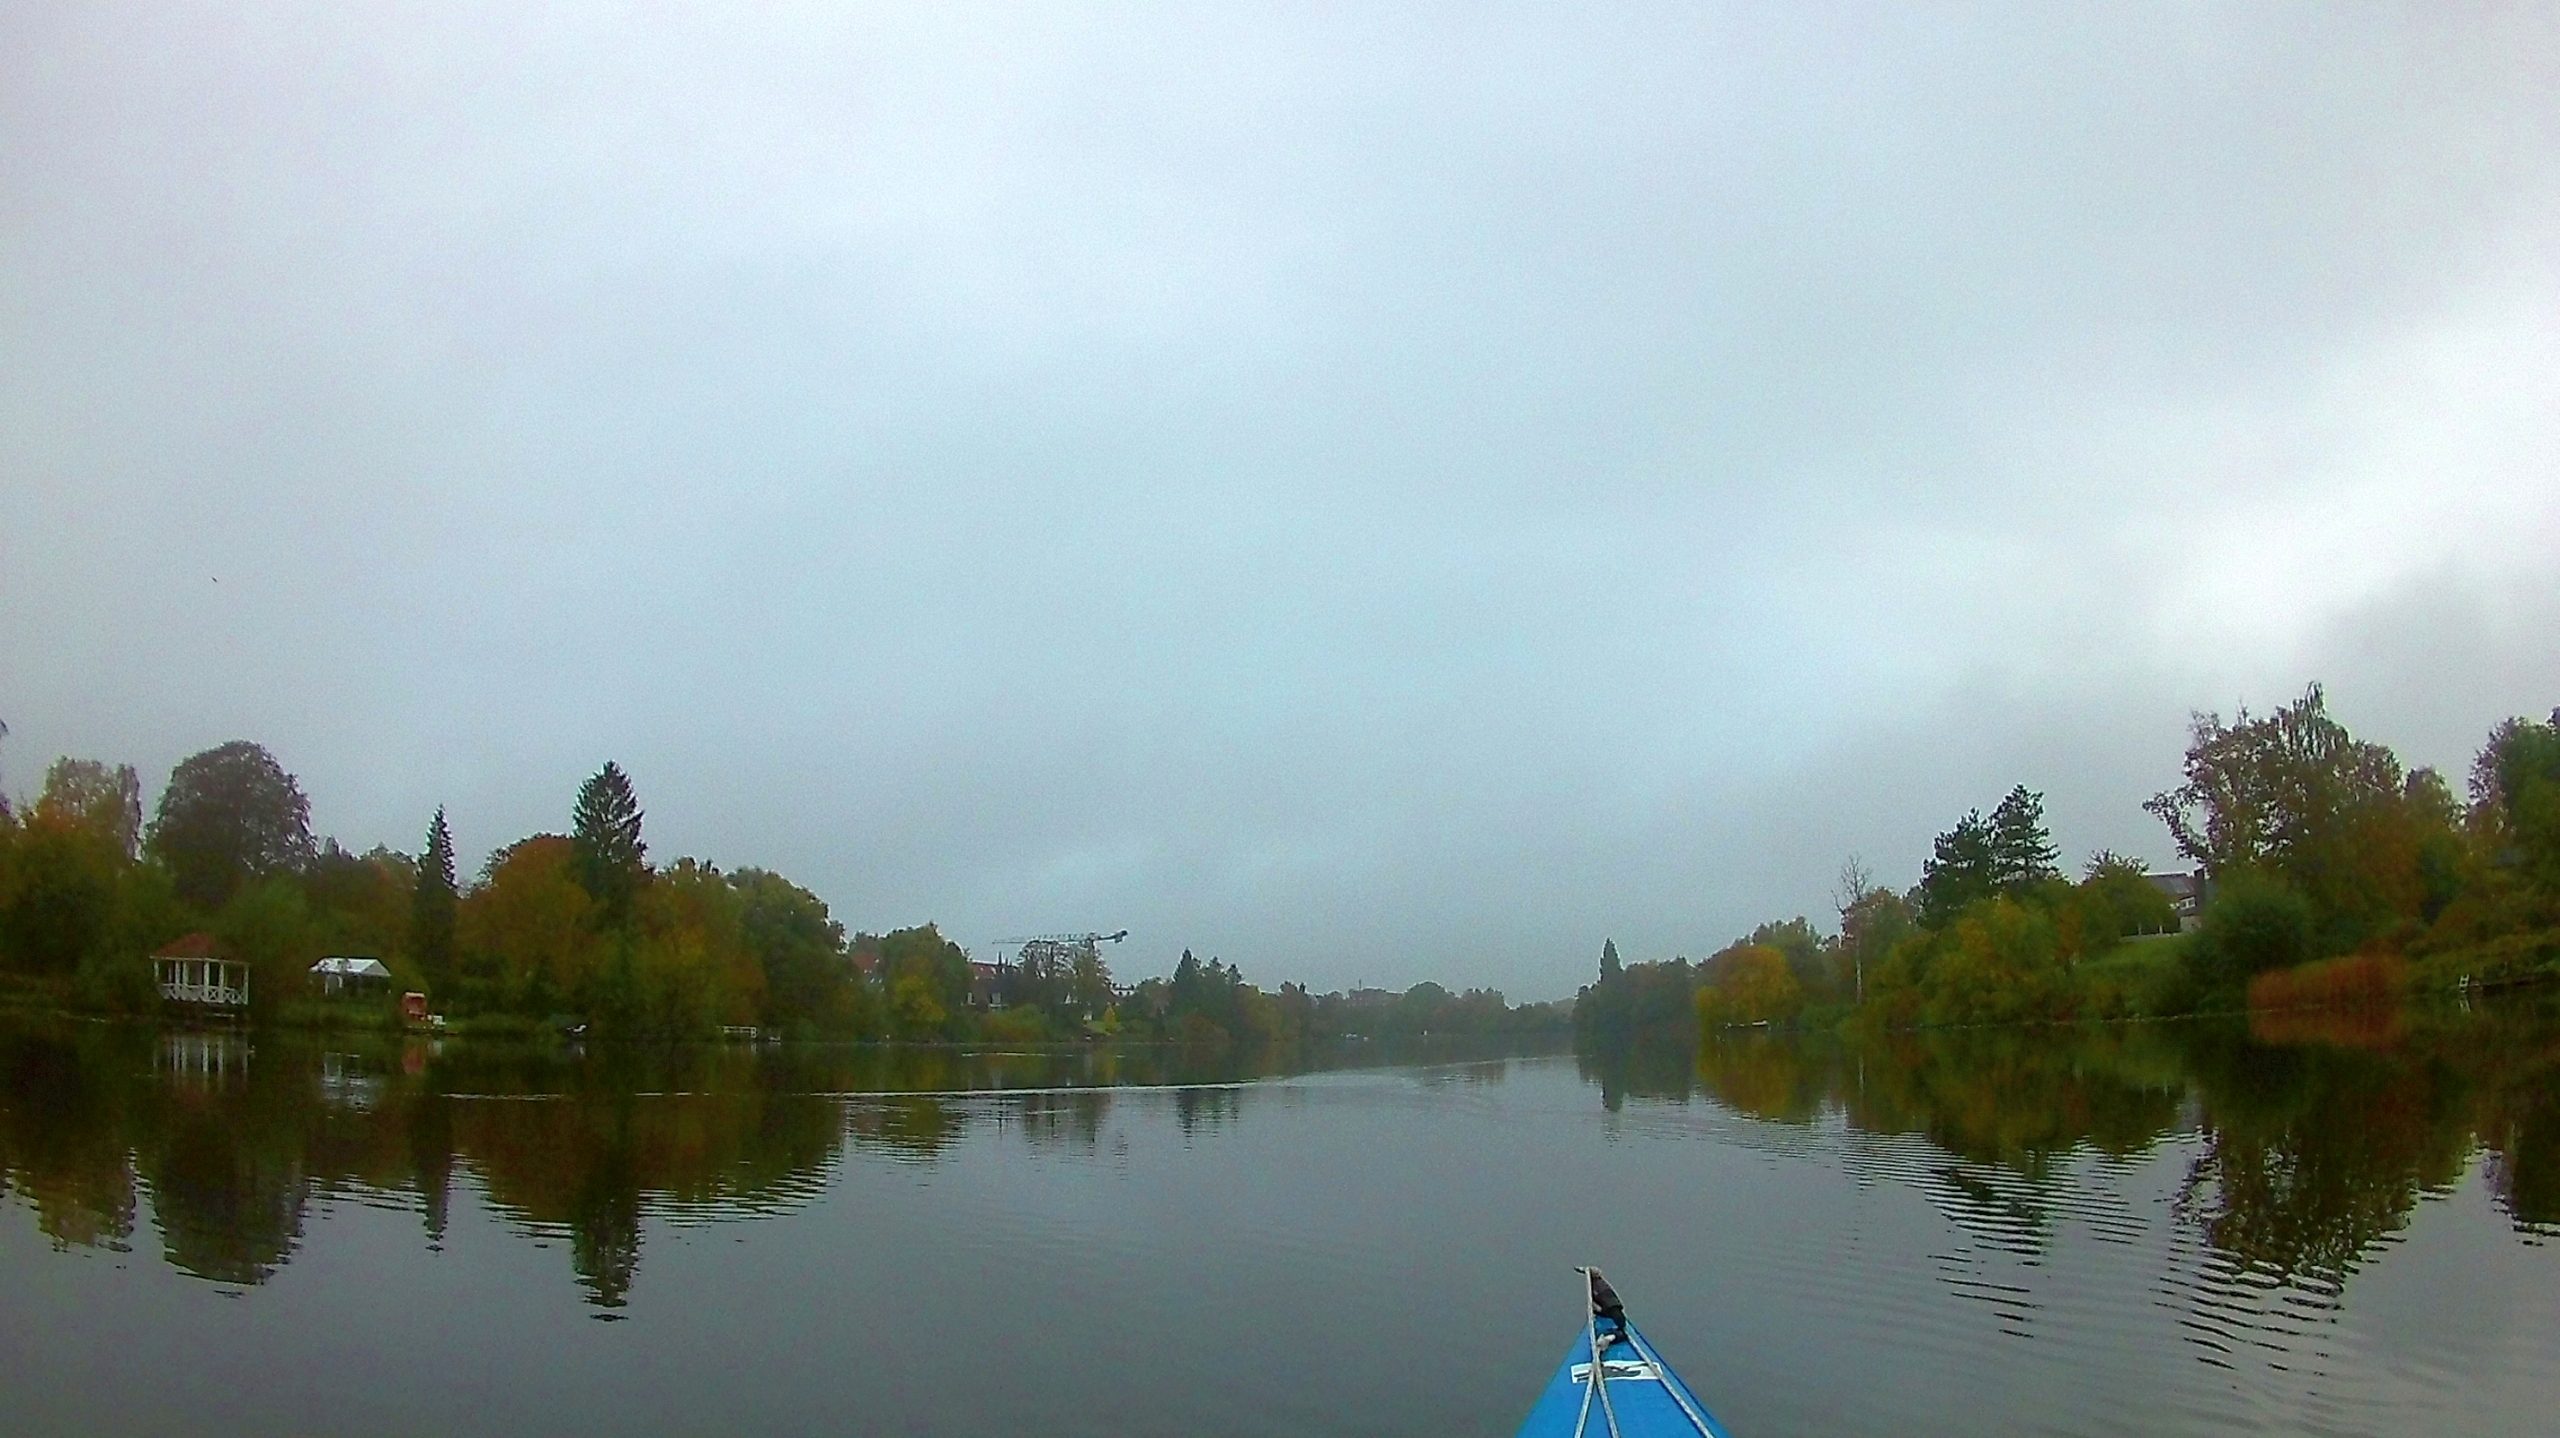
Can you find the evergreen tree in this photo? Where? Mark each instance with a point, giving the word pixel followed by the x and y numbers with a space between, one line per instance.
pixel 2022 852
pixel 434 904
pixel 1610 967
pixel 612 862
pixel 1963 870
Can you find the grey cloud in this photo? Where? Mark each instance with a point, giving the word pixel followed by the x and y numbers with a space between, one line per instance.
pixel 1383 495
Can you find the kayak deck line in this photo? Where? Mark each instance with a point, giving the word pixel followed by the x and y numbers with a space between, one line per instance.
pixel 1614 1382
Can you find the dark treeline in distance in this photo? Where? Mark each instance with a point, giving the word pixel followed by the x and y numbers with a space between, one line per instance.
pixel 574 928
pixel 2323 873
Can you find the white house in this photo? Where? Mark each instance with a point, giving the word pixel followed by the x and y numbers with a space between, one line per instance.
pixel 346 974
pixel 192 971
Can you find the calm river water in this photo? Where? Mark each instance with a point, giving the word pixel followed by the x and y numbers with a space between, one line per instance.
pixel 2313 1226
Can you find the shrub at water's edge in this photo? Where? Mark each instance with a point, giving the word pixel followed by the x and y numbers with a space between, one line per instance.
pixel 2350 981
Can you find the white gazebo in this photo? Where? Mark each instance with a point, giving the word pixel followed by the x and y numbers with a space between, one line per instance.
pixel 342 973
pixel 191 971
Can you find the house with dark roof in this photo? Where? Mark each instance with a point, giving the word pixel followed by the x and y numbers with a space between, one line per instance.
pixel 2185 893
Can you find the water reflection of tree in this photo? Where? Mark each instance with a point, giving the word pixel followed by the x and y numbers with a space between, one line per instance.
pixel 2314 1153
pixel 227 1175
pixel 2312 1145
pixel 2316 1139
pixel 1641 1068
pixel 1770 1076
pixel 1070 1117
pixel 2021 1098
pixel 63 1143
pixel 913 1126
pixel 1196 1109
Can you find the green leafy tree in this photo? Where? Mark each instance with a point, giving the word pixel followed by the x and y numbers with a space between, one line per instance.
pixel 1089 983
pixel 360 902
pixel 2022 852
pixel 1872 920
pixel 1962 870
pixel 2255 924
pixel 808 982
pixel 230 817
pixel 1636 1000
pixel 269 924
pixel 690 967
pixel 434 904
pixel 2119 900
pixel 58 895
pixel 612 861
pixel 2515 798
pixel 927 983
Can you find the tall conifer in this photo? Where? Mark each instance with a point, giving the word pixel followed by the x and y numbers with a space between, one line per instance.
pixel 612 862
pixel 434 902
pixel 2022 852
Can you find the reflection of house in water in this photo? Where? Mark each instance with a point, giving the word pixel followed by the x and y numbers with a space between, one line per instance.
pixel 193 970
pixel 204 1060
pixel 347 1081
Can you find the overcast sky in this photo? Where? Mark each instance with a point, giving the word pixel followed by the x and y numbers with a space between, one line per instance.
pixel 1372 493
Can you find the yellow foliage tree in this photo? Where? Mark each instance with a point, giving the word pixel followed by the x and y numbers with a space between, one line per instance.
pixel 1749 984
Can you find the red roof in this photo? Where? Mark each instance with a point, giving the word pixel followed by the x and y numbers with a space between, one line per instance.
pixel 198 945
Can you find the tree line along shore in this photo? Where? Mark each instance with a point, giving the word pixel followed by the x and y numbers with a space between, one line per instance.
pixel 575 930
pixel 2325 873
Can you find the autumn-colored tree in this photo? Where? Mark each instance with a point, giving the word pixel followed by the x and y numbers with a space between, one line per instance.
pixel 1999 963
pixel 1748 984
pixel 2296 797
pixel 104 801
pixel 526 930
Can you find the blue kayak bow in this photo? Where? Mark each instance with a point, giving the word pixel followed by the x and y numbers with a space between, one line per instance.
pixel 1613 1382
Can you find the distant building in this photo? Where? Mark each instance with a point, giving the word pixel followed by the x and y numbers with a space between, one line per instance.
pixel 2185 893
pixel 989 984
pixel 350 974
pixel 195 970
